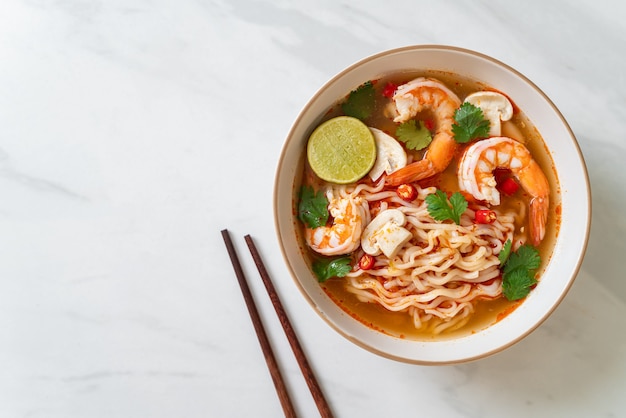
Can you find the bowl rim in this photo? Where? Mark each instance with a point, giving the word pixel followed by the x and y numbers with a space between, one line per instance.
pixel 576 147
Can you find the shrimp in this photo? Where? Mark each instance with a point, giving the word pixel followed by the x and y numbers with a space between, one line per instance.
pixel 476 177
pixel 410 99
pixel 348 221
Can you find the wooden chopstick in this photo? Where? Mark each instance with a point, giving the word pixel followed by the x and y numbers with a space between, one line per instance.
pixel 307 371
pixel 277 378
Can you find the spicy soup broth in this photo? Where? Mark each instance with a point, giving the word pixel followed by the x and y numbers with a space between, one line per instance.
pixel 486 312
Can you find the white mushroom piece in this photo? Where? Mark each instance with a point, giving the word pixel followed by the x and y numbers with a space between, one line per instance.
pixel 495 106
pixel 385 234
pixel 390 156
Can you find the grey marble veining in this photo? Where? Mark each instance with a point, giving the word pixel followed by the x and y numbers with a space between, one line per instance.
pixel 132 132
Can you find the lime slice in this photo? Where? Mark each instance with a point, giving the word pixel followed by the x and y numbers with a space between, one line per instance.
pixel 341 150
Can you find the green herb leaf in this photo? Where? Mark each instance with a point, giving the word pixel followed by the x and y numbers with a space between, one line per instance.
pixel 518 273
pixel 313 207
pixel 442 209
pixel 526 257
pixel 504 253
pixel 324 269
pixel 414 136
pixel 470 123
pixel 459 205
pixel 360 102
pixel 517 283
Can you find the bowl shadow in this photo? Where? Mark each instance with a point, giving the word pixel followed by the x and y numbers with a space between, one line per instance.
pixel 605 252
pixel 575 355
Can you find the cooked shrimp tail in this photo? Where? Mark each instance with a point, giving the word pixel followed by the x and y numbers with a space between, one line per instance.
pixel 536 184
pixel 413 172
pixel 538 218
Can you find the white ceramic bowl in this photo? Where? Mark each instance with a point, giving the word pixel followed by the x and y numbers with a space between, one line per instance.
pixel 569 164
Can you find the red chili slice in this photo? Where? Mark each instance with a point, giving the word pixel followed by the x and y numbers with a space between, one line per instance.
pixel 509 186
pixel 429 124
pixel 366 262
pixel 485 216
pixel 389 90
pixel 407 192
pixel 501 174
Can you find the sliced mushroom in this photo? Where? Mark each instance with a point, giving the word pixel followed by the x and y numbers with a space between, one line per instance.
pixel 386 234
pixel 495 106
pixel 390 156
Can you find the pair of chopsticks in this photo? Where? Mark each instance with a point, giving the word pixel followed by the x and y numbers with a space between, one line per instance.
pixel 272 365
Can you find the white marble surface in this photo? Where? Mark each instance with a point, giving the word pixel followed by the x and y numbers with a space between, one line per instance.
pixel 133 131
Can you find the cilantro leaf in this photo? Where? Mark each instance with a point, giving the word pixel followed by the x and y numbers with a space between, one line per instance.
pixel 503 255
pixel 313 207
pixel 470 123
pixel 360 102
pixel 526 256
pixel 324 269
pixel 441 209
pixel 414 137
pixel 518 274
pixel 517 283
pixel 459 205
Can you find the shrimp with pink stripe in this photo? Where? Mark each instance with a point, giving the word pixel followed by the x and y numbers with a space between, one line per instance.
pixel 348 214
pixel 410 99
pixel 475 173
